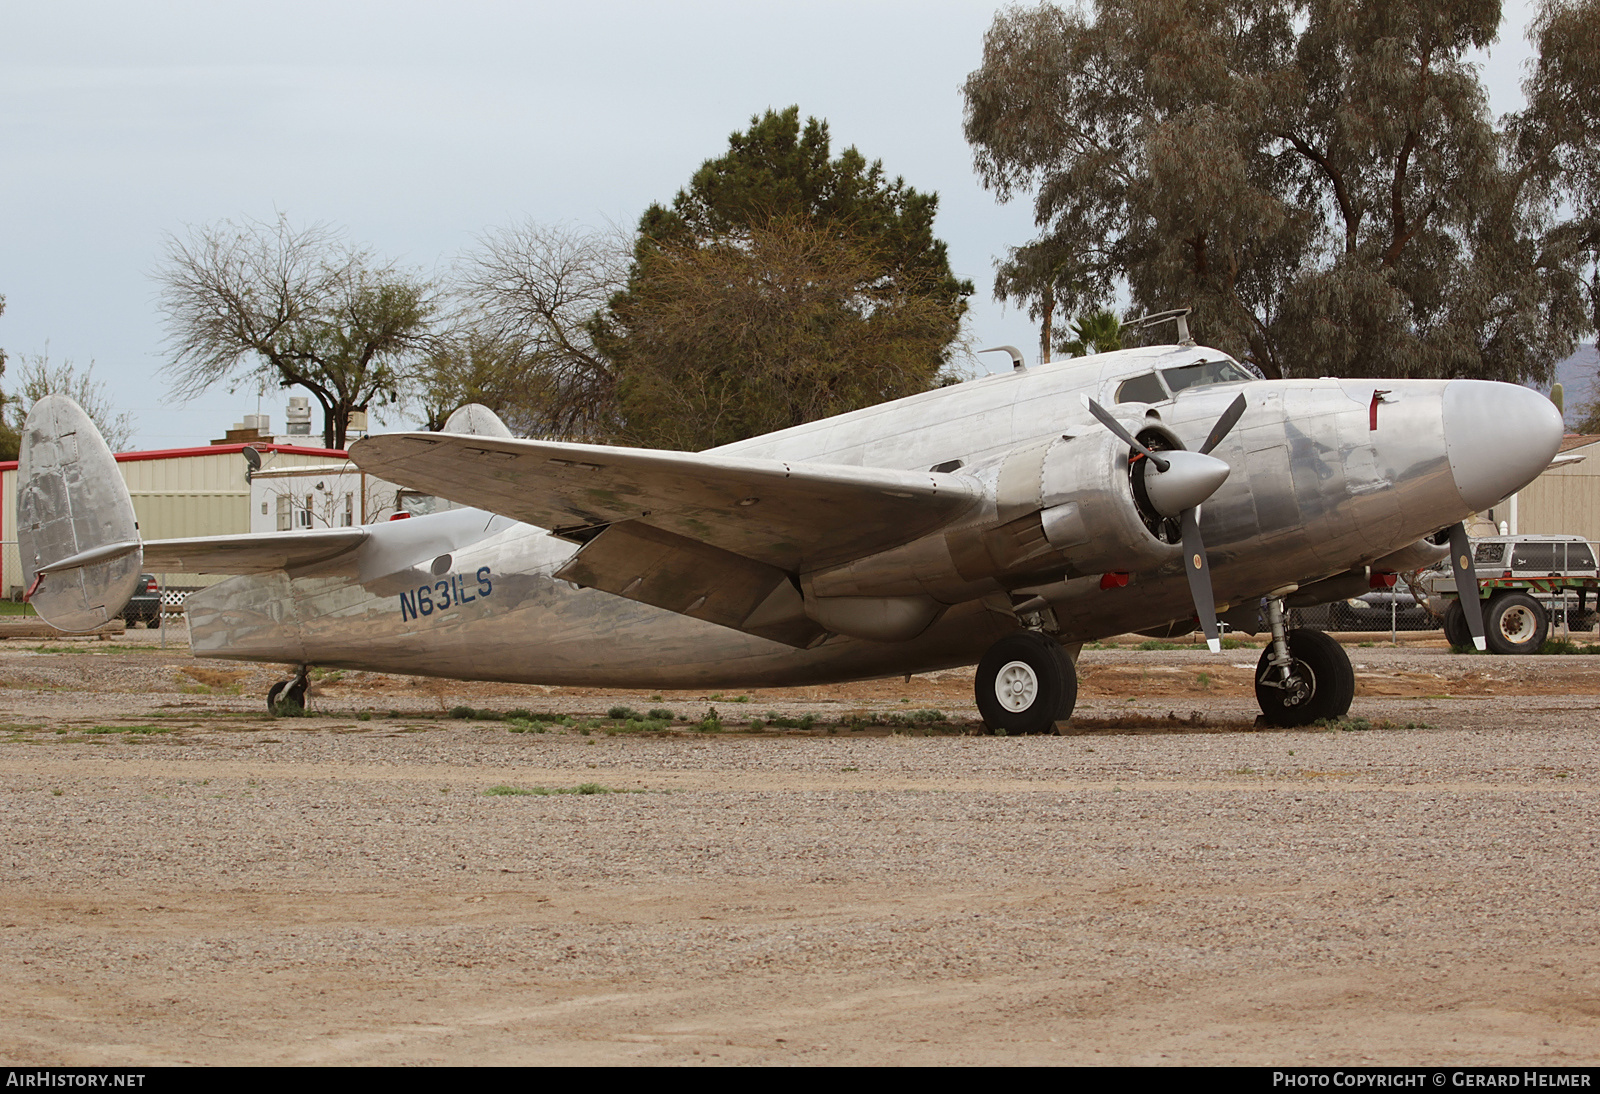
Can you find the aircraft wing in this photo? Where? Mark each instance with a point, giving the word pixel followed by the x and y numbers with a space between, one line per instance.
pixel 250 553
pixel 789 515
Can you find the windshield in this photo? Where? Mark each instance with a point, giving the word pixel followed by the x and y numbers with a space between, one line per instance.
pixel 1204 374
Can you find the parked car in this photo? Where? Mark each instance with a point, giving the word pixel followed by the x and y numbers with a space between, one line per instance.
pixel 145 604
pixel 1369 612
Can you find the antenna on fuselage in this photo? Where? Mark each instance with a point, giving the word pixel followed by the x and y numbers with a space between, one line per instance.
pixel 1177 315
pixel 1016 355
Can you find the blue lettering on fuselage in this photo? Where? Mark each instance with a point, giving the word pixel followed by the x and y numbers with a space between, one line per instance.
pixel 453 591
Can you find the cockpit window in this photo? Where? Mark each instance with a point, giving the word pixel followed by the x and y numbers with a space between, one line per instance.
pixel 1142 389
pixel 1204 374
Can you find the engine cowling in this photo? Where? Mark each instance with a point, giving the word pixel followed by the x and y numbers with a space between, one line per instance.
pixel 1066 507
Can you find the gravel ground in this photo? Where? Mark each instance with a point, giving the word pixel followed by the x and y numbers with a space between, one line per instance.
pixel 189 881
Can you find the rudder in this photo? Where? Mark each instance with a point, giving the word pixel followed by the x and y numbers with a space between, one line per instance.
pixel 76 530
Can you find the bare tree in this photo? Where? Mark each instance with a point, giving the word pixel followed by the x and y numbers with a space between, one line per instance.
pixel 40 377
pixel 524 346
pixel 301 305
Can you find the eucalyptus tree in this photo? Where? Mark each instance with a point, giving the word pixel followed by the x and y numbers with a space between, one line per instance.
pixel 1320 179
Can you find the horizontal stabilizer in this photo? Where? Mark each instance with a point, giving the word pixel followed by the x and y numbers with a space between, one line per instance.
pixel 107 553
pixel 251 553
pixel 789 515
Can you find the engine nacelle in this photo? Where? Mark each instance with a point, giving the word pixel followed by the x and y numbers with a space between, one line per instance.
pixel 1063 508
pixel 1094 509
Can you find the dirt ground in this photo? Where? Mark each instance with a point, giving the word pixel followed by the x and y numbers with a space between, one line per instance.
pixel 187 880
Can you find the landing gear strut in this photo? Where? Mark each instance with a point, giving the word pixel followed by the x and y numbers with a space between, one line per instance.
pixel 292 692
pixel 1026 684
pixel 1303 676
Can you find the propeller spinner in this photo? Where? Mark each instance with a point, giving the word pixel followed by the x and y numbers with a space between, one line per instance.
pixel 1181 481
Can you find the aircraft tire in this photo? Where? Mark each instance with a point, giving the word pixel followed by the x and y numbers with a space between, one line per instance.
pixel 1025 684
pixel 1456 631
pixel 1514 623
pixel 273 693
pixel 1324 666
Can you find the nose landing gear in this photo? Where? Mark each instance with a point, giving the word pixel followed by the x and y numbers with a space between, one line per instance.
pixel 1303 675
pixel 1026 684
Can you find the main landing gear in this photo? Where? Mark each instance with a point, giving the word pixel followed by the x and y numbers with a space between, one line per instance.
pixel 1303 676
pixel 291 693
pixel 1026 683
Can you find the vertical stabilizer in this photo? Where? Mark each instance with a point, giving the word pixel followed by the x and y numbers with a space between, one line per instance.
pixel 76 530
pixel 477 419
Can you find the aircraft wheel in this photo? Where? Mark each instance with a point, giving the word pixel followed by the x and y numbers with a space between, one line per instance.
pixel 288 693
pixel 1515 623
pixel 1322 683
pixel 1456 631
pixel 1025 684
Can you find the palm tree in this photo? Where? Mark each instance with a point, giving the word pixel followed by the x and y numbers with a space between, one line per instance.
pixel 1095 332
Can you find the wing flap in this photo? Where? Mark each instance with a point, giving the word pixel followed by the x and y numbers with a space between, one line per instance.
pixel 789 515
pixel 646 564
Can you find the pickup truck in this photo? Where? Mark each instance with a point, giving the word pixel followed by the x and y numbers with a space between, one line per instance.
pixel 1523 581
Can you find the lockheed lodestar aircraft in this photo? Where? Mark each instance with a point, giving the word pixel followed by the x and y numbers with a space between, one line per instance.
pixel 1003 521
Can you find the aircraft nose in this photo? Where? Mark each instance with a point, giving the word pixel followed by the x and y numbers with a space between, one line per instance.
pixel 1499 437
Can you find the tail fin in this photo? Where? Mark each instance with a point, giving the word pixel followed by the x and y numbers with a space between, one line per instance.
pixel 76 530
pixel 477 419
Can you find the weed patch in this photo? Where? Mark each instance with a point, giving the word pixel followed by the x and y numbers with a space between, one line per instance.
pixel 546 791
pixel 1362 725
pixel 776 719
pixel 1560 646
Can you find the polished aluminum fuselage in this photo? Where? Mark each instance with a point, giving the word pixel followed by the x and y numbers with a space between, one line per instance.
pixel 1315 491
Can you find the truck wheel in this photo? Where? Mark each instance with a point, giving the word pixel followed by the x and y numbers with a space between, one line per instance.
pixel 1515 623
pixel 1456 631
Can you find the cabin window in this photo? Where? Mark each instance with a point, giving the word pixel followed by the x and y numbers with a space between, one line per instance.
pixel 1142 389
pixel 1204 374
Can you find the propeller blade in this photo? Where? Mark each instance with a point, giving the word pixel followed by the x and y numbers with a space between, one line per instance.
pixel 1229 419
pixel 1198 567
pixel 1115 426
pixel 1467 578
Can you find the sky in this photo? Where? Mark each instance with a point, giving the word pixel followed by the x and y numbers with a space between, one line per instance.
pixel 417 127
